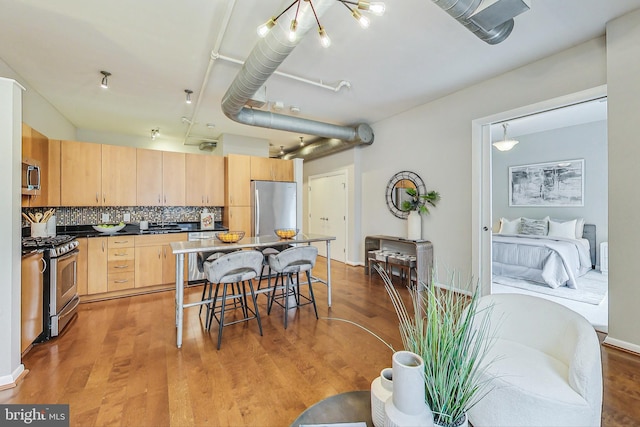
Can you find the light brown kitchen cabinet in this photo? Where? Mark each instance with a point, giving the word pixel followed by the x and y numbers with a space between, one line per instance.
pixel 173 178
pixel 204 180
pixel 160 178
pixel 46 153
pixel 238 218
pixel 80 173
pixel 237 180
pixel 120 263
pixel 97 262
pixel 155 262
pixel 81 268
pixel 148 177
pixel 32 299
pixel 118 176
pixel 268 169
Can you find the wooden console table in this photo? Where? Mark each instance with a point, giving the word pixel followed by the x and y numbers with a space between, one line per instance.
pixel 422 249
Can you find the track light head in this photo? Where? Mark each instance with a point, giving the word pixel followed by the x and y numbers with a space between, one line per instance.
pixel 105 79
pixel 154 133
pixel 188 92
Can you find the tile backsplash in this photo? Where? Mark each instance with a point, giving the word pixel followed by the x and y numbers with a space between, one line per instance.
pixel 93 215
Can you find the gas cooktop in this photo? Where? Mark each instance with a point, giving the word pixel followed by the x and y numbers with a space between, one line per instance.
pixel 56 245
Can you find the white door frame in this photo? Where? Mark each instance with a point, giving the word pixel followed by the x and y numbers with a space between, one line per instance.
pixel 345 174
pixel 481 220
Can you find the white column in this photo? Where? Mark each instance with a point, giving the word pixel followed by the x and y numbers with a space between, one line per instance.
pixel 10 222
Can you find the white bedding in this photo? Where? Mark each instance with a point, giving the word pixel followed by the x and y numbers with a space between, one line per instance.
pixel 555 261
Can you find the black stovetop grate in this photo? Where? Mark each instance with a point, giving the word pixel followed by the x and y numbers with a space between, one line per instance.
pixel 45 242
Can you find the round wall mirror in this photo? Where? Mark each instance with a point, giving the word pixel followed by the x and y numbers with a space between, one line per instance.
pixel 397 191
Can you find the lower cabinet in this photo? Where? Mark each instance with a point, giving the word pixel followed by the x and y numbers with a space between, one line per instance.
pixel 31 309
pixel 126 265
pixel 155 262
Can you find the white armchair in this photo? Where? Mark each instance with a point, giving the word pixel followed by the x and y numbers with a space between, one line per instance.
pixel 548 370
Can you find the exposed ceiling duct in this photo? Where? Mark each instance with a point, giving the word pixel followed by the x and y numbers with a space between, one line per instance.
pixel 208 145
pixel 262 62
pixel 490 20
pixel 325 146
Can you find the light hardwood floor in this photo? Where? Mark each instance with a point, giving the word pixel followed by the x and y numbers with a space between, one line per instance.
pixel 118 364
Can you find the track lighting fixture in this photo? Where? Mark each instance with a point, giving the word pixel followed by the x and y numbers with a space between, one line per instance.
pixel 301 141
pixel 377 8
pixel 155 132
pixel 188 92
pixel 281 150
pixel 105 79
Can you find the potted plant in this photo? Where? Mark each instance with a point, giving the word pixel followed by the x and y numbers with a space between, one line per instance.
pixel 419 202
pixel 416 205
pixel 441 330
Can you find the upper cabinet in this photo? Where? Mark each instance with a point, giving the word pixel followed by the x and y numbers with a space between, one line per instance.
pixel 80 174
pixel 160 178
pixel 149 177
pixel 267 169
pixel 46 153
pixel 204 180
pixel 238 180
pixel 118 175
pixel 97 175
pixel 173 178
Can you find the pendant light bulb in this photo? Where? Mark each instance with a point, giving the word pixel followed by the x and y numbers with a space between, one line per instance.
pixel 505 144
pixel 325 41
pixel 376 7
pixel 264 29
pixel 362 20
pixel 292 30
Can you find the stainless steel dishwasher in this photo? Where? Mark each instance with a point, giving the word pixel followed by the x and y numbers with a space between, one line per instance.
pixel 192 261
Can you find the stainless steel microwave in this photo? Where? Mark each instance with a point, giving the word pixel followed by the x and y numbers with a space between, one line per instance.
pixel 30 177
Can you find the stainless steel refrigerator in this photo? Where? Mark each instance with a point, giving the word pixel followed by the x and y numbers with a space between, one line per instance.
pixel 273 205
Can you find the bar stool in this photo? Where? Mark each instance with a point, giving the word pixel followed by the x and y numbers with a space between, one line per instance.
pixel 265 263
pixel 235 268
pixel 201 258
pixel 299 259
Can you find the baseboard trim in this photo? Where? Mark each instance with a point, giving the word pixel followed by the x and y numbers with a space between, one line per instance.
pixel 622 345
pixel 10 381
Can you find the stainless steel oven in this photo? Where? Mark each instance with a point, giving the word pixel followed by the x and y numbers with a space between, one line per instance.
pixel 60 281
pixel 64 300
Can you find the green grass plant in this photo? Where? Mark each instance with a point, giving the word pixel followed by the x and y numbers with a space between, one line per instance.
pixel 441 329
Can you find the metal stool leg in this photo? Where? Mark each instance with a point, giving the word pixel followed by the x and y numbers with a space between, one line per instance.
pixel 313 298
pixel 255 304
pixel 224 303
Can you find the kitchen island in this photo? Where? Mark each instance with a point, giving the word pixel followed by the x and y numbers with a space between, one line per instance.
pixel 212 245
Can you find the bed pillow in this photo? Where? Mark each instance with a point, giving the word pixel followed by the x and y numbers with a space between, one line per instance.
pixel 509 227
pixel 534 227
pixel 565 229
pixel 579 231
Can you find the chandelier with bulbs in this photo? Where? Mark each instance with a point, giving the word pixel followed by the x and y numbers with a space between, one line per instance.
pixel 377 8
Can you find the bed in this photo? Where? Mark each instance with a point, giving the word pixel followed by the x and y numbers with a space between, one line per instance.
pixel 547 253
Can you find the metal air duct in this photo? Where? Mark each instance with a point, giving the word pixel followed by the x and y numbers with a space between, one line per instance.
pixel 498 11
pixel 262 62
pixel 326 146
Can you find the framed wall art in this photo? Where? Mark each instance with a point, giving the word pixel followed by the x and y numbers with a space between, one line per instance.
pixel 558 183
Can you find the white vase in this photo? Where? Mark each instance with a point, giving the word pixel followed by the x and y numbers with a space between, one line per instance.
pixel 465 423
pixel 414 226
pixel 406 406
pixel 381 389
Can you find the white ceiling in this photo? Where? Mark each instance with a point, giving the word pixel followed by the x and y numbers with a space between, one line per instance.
pixel 155 49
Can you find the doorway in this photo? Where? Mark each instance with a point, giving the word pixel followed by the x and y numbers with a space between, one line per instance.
pixel 490 187
pixel 328 211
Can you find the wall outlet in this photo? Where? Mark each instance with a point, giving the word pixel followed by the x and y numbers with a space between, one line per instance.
pixel 105 217
pixel 127 217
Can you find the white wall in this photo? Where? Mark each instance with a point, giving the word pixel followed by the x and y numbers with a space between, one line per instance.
pixel 585 141
pixel 38 112
pixel 623 69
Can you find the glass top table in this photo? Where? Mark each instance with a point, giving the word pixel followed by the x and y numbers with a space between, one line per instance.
pixel 349 407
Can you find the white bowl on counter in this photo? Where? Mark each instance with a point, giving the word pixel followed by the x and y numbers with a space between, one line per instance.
pixel 109 230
